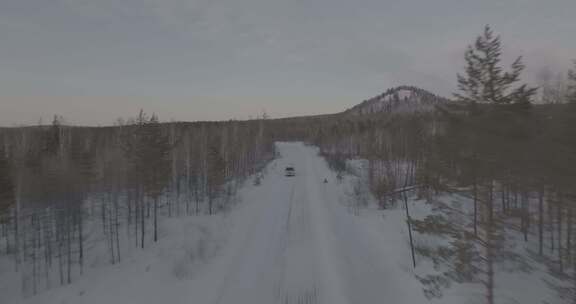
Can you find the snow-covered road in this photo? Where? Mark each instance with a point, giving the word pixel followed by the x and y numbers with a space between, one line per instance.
pixel 302 245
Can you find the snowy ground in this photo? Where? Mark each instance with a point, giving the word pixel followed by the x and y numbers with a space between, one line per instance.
pixel 290 240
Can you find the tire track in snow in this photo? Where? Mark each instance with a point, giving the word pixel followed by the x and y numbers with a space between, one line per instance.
pixel 281 256
pixel 300 284
pixel 297 237
pixel 253 270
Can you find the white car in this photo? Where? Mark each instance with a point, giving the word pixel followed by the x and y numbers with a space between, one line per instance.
pixel 289 171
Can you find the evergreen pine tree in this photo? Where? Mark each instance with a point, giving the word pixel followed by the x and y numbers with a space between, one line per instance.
pixel 485 81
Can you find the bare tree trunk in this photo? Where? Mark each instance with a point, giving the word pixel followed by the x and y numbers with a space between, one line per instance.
pixel 60 245
pixel 503 194
pixel 551 225
pixel 147 205
pixel 110 230
pixel 17 222
pixel 525 215
pixel 210 204
pixel 5 234
pixel 197 197
pixel 80 240
pixel 137 203
pixel 47 245
pixel 69 246
pixel 130 201
pixel 569 236
pixel 142 222
pixel 117 225
pixel 560 253
pixel 34 249
pixel 155 219
pixel 541 221
pixel 489 250
pixel 475 207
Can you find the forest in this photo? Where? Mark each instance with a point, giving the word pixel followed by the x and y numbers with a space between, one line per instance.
pixel 507 153
pixel 54 179
pixel 508 148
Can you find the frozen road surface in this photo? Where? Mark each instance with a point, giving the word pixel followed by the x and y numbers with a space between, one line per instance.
pixel 300 244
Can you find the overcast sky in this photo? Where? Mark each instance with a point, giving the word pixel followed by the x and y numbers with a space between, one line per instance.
pixel 96 60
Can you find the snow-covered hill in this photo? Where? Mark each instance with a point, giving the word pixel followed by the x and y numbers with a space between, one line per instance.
pixel 402 99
